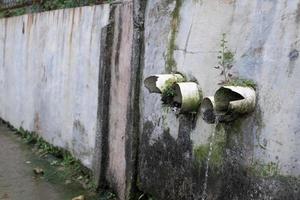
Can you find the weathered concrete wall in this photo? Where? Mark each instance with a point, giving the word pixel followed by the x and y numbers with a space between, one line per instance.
pixel 72 76
pixel 58 78
pixel 252 158
pixel 120 96
pixel 123 121
pixel 49 68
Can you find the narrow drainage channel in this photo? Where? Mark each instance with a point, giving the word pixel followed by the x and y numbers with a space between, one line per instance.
pixel 19 182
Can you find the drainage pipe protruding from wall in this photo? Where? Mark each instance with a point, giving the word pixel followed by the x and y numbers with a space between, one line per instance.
pixel 158 83
pixel 207 109
pixel 232 101
pixel 188 96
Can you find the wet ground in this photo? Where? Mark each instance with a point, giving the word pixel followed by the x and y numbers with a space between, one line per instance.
pixel 19 182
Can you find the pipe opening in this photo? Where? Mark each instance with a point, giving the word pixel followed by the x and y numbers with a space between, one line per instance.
pixel 208 110
pixel 223 97
pixel 234 101
pixel 159 83
pixel 188 96
pixel 178 98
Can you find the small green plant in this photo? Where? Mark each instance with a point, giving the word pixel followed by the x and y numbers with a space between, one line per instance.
pixel 225 60
pixel 169 91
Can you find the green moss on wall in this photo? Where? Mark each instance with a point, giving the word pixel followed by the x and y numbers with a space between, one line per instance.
pixel 241 82
pixel 260 169
pixel 170 61
pixel 218 146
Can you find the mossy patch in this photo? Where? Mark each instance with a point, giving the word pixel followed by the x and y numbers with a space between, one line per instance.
pixel 169 92
pixel 170 60
pixel 260 169
pixel 218 146
pixel 241 82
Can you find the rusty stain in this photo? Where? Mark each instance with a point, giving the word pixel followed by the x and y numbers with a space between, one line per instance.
pixel 4 42
pixel 37 126
pixel 72 27
pixel 23 28
pixel 71 33
pixel 29 22
pixel 80 13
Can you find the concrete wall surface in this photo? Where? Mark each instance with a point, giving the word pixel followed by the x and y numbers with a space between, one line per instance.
pixel 49 75
pixel 75 76
pixel 252 157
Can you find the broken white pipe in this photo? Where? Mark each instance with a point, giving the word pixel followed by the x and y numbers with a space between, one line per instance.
pixel 188 96
pixel 208 109
pixel 234 100
pixel 158 83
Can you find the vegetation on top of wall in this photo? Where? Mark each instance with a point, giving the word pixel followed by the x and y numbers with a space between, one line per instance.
pixel 46 5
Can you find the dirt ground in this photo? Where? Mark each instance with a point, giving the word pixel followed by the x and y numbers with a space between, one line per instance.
pixel 17 179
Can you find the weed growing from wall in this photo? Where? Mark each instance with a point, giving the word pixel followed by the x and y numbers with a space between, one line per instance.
pixel 225 60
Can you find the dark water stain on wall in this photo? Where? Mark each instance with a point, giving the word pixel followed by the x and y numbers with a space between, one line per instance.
pixel 293 56
pixel 169 170
pixel 79 134
pixel 166 168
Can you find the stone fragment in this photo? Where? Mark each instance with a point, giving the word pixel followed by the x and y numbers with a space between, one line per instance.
pixel 81 197
pixel 38 171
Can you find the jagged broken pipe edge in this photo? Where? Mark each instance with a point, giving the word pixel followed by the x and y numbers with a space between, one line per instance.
pixel 158 83
pixel 243 106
